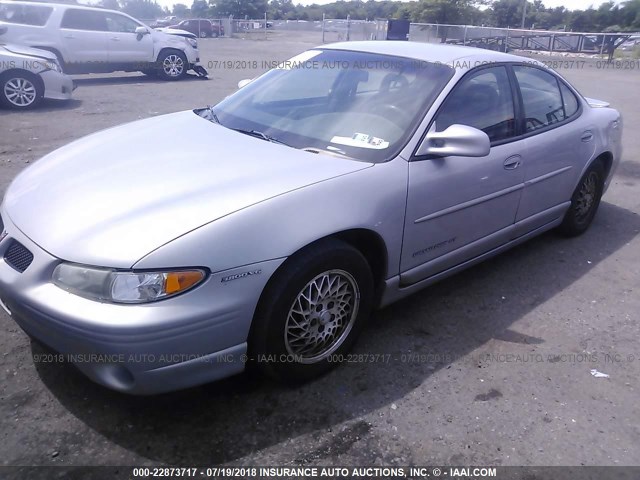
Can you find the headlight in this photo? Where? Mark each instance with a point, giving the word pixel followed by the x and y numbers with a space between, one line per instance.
pixel 54 65
pixel 124 287
pixel 192 41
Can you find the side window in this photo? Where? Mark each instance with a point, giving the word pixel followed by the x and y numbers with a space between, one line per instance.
pixel 541 96
pixel 484 101
pixel 25 14
pixel 120 23
pixel 84 20
pixel 569 100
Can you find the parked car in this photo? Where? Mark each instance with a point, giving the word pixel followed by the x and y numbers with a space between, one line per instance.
pixel 92 40
pixel 372 172
pixel 27 75
pixel 201 28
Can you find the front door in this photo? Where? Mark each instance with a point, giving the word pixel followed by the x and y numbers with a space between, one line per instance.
pixel 126 46
pixel 461 207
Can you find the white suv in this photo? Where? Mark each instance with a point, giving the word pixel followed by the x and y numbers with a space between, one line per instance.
pixel 93 40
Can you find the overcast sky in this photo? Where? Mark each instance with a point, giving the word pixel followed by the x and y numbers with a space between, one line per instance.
pixel 570 4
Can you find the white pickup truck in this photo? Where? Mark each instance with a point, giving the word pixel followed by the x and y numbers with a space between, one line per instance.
pixel 95 40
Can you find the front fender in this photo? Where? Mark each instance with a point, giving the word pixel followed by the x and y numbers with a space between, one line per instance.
pixel 373 198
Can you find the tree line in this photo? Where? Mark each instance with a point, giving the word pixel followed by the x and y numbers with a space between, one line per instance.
pixel 608 17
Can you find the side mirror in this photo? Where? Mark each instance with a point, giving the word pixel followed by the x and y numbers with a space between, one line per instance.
pixel 142 30
pixel 244 83
pixel 456 140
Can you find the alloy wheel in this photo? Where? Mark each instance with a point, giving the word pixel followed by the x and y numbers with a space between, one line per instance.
pixel 322 315
pixel 586 196
pixel 173 65
pixel 20 92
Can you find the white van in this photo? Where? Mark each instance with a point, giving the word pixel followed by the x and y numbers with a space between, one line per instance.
pixel 93 40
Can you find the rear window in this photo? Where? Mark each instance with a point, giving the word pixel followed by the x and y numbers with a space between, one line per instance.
pixel 25 14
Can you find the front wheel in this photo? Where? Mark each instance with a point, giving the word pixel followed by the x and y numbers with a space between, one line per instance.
pixel 20 90
pixel 311 312
pixel 173 65
pixel 584 201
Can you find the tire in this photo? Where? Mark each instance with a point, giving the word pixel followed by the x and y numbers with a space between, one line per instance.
pixel 172 65
pixel 284 316
pixel 20 90
pixel 203 34
pixel 215 34
pixel 584 201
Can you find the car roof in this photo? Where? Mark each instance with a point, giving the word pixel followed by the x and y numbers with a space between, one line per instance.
pixel 59 5
pixel 428 52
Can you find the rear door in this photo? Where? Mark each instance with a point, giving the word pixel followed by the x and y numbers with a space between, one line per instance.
pixel 125 45
pixel 461 207
pixel 558 144
pixel 83 35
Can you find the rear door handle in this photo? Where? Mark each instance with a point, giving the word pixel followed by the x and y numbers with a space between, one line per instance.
pixel 115 39
pixel 587 136
pixel 512 162
pixel 69 36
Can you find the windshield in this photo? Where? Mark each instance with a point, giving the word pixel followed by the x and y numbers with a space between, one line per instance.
pixel 362 105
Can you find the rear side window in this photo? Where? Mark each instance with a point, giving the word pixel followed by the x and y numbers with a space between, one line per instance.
pixel 569 100
pixel 482 100
pixel 36 15
pixel 543 102
pixel 84 20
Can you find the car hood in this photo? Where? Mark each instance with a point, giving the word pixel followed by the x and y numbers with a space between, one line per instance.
pixel 175 31
pixel 28 51
pixel 111 198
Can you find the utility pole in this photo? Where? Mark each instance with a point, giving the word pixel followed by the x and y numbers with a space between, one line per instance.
pixel 524 13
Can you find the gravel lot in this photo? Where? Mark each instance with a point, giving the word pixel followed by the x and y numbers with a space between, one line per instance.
pixel 512 341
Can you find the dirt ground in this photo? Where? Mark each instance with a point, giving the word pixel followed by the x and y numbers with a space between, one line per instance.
pixel 504 350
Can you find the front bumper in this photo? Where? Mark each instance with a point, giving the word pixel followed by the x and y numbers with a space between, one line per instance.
pixel 57 86
pixel 180 342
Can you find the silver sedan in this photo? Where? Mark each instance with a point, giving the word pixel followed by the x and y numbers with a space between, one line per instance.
pixel 343 180
pixel 27 75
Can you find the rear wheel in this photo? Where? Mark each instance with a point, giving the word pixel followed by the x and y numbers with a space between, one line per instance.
pixel 173 65
pixel 20 90
pixel 312 311
pixel 584 202
pixel 203 34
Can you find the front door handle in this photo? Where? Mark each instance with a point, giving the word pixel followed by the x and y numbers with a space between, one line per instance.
pixel 115 39
pixel 512 162
pixel 587 136
pixel 69 36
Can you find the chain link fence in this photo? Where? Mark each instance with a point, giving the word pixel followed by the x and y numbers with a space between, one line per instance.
pixel 506 39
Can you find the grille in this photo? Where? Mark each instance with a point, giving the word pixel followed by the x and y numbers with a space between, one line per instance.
pixel 18 257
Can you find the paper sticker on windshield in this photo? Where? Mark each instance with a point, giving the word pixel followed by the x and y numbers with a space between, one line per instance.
pixel 361 140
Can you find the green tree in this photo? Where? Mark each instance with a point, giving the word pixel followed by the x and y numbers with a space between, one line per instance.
pixel 110 4
pixel 142 9
pixel 180 10
pixel 199 8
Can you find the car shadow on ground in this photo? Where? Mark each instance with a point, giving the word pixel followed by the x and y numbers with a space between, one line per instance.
pixel 88 81
pixel 230 419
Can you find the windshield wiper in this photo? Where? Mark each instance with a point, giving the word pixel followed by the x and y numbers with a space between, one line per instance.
pixel 262 135
pixel 208 114
pixel 213 115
